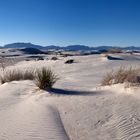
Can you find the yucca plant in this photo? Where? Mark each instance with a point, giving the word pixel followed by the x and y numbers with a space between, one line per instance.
pixel 45 78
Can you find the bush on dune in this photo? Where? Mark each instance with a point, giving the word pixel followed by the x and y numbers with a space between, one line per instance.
pixel 44 78
pixel 122 75
pixel 54 58
pixel 70 61
pixel 16 75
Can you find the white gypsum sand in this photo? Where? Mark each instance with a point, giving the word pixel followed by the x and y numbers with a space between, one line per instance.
pixel 78 108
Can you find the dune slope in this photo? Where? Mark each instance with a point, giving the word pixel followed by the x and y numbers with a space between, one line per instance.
pixel 22 116
pixel 78 108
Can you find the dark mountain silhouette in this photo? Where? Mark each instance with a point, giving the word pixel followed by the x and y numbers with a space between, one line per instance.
pixel 22 45
pixel 77 47
pixel 104 47
pixel 133 48
pixel 70 47
pixel 53 47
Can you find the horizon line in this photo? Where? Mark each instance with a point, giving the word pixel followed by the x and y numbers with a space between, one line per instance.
pixel 71 45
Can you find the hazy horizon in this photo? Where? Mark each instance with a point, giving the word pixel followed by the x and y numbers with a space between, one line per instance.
pixel 69 45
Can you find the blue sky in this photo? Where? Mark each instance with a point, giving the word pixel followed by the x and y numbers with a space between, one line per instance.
pixel 67 22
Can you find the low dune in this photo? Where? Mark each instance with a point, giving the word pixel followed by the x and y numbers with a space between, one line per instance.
pixel 23 116
pixel 77 108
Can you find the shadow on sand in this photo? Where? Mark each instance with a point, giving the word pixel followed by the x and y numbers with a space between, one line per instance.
pixel 114 58
pixel 74 92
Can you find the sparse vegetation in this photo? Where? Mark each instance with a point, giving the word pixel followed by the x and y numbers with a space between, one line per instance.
pixel 2 65
pixel 54 58
pixel 122 75
pixel 45 78
pixel 70 61
pixel 15 75
pixel 39 58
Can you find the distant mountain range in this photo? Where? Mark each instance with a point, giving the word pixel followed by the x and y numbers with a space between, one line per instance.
pixel 22 45
pixel 70 48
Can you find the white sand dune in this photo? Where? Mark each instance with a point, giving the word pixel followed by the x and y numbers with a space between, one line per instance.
pixel 23 117
pixel 78 108
pixel 104 115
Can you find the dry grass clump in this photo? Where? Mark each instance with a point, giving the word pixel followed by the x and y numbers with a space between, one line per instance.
pixel 122 75
pixel 16 75
pixel 54 58
pixel 45 78
pixel 70 61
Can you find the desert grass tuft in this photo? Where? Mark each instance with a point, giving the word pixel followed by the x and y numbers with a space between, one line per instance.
pixel 16 75
pixel 122 75
pixel 45 78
